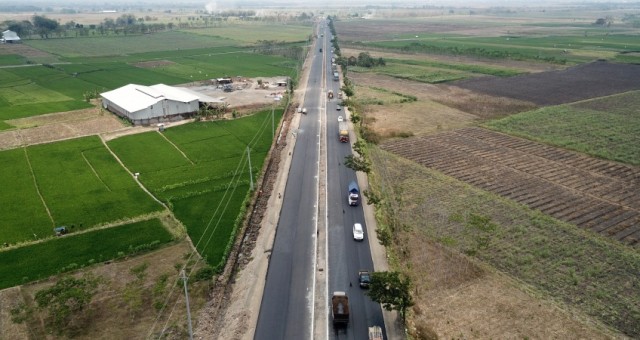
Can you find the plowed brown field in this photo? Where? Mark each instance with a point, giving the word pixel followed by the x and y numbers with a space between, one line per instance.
pixel 595 194
pixel 597 79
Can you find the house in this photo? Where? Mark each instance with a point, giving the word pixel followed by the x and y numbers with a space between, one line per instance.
pixel 10 37
pixel 146 105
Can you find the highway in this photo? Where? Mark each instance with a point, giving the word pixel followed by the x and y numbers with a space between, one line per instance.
pixel 287 308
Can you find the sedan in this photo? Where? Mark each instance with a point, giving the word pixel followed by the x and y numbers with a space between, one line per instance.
pixel 340 119
pixel 358 232
pixel 338 107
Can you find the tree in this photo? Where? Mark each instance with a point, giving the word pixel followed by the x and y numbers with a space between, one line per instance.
pixel 44 26
pixel 357 163
pixel 67 299
pixel 392 291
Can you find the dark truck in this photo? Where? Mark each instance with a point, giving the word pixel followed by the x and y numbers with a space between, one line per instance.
pixel 340 309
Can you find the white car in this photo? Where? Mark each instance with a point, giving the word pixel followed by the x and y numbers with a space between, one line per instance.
pixel 358 232
pixel 340 119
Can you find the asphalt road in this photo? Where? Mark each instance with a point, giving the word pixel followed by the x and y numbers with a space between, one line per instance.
pixel 345 255
pixel 286 311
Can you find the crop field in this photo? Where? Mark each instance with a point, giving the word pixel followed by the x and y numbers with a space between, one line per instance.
pixel 76 183
pixel 567 40
pixel 568 264
pixel 201 171
pixel 606 127
pixel 593 194
pixel 11 59
pixel 127 45
pixel 596 79
pixel 41 260
pixel 29 91
pixel 252 32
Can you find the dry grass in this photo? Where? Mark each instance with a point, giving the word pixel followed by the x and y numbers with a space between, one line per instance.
pixel 458 297
pixel 525 66
pixel 423 116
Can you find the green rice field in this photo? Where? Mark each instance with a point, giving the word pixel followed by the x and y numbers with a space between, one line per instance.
pixel 75 183
pixel 41 260
pixel 201 171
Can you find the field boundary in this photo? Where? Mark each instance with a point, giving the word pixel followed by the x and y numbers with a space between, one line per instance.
pixel 176 147
pixel 130 173
pixel 35 184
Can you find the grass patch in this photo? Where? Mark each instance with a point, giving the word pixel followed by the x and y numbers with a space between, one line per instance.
pixel 12 59
pixel 41 260
pixel 580 268
pixel 606 127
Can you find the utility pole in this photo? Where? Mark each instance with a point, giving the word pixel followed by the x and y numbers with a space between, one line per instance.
pixel 186 296
pixel 250 172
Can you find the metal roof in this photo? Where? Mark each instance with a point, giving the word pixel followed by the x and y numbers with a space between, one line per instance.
pixel 133 97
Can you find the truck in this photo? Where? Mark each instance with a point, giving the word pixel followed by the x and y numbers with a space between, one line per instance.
pixel 330 94
pixel 375 333
pixel 354 193
pixel 343 132
pixel 336 76
pixel 340 309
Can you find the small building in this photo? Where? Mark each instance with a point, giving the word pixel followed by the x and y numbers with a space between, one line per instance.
pixel 147 105
pixel 10 37
pixel 224 81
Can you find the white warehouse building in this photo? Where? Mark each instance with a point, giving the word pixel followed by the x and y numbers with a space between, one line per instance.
pixel 146 105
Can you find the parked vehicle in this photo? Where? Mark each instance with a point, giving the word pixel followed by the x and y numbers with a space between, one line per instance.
pixel 340 119
pixel 340 309
pixel 354 193
pixel 336 76
pixel 358 232
pixel 343 131
pixel 304 110
pixel 338 107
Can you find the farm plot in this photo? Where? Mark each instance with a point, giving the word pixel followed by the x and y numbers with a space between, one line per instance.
pixel 606 127
pixel 201 171
pixel 41 260
pixel 594 194
pixel 76 183
pixel 597 79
